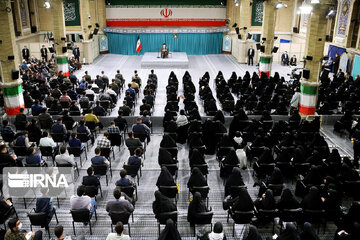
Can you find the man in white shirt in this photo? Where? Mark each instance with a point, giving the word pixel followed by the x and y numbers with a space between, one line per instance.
pixel 47 141
pixel 82 201
pixel 89 91
pixel 110 91
pixel 119 229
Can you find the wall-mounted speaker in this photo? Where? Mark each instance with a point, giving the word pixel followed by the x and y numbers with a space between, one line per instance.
pixel 310 58
pixel 264 39
pixel 51 50
pixel 51 39
pixel 328 38
pixel 63 39
pixel 306 73
pixel 239 36
pixel 295 30
pixel 33 29
pixel 91 36
pixel 18 33
pixel 96 30
pixel 258 46
pixel 11 58
pixel 97 25
pixel 15 74
pixel 275 49
pixel 64 49
pixel 237 30
pixel 81 37
pixel 262 49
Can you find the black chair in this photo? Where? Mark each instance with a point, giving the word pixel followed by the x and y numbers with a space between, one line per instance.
pixel 69 125
pixel 84 138
pixel 170 192
pixel 142 137
pixel 8 137
pixel 40 219
pixel 129 191
pixel 234 190
pixel 202 219
pixel 302 168
pixel 5 216
pixel 20 151
pixel 173 169
pixel 202 167
pixel 83 216
pixel 102 170
pixel 77 152
pixel 115 139
pixel 240 217
pixel 163 217
pixel 268 215
pixel 91 126
pixel 69 165
pixel 133 171
pixel 120 217
pixel 204 191
pixel 64 104
pixel 105 152
pixel 20 126
pixel 276 188
pixel 45 124
pixel 315 217
pixel 291 215
pixel 58 137
pixel 47 152
pixel 93 191
pixel 173 151
pixel 287 169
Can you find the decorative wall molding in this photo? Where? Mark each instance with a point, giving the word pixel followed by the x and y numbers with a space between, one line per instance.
pixel 166 30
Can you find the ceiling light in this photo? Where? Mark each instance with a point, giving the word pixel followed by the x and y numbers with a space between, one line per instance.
pixel 315 1
pixel 305 9
pixel 47 4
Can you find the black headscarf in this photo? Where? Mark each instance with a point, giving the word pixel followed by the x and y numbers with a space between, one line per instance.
pixel 167 142
pixel 219 116
pixel 299 155
pixel 243 202
pixel 308 233
pixel 165 178
pixel 253 234
pixel 287 200
pixel 289 233
pixel 162 204
pixel 313 177
pixel 231 158
pixel 165 157
pixel 312 200
pixel 225 141
pixel 170 232
pixel 196 142
pixel 196 158
pixel 267 203
pixel 266 157
pixel 334 157
pixel 197 205
pixel 196 179
pixel 276 177
pixel 235 179
pixel 284 155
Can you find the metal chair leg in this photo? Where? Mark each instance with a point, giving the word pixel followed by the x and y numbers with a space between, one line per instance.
pixel 74 228
pixel 129 229
pixel 90 227
pixel 112 228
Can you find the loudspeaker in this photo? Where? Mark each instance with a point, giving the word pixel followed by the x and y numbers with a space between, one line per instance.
pixel 89 26
pixel 95 31
pixel 258 46
pixel 328 38
pixel 15 74
pixel 237 30
pixel 63 39
pixel 239 36
pixel 73 37
pixel 262 49
pixel 275 49
pixel 97 25
pixel 69 46
pixel 306 73
pixel 64 49
pixel 33 29
pixel 249 36
pixel 310 58
pixel 264 39
pixel 234 25
pixel 18 33
pixel 51 50
pixel 51 39
pixel 295 30
pixel 11 58
pixel 91 36
pixel 81 37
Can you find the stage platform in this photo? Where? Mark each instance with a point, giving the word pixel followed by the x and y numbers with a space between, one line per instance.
pixel 175 60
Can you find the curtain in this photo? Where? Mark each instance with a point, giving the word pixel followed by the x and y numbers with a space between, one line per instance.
pixel 191 43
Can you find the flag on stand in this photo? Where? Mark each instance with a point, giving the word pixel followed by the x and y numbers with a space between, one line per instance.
pixel 138 45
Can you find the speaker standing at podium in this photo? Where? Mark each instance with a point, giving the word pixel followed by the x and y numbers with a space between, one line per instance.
pixel 164 51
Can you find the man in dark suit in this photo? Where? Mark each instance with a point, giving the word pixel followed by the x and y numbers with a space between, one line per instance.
pixel 336 63
pixel 44 204
pixel 25 53
pixel 90 179
pixel 76 53
pixel 43 51
pixel 133 143
pixel 293 60
pixel 285 58
pixel 251 54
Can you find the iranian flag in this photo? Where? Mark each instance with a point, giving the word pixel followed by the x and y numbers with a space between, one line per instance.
pixel 138 45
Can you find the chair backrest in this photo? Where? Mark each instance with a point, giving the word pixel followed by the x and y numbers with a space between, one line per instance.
pixel 202 167
pixel 141 136
pixel 8 137
pixel 128 190
pixel 20 150
pixel 242 217
pixel 91 125
pixel 46 151
pixel 119 217
pixel 203 218
pixel 80 215
pixel 276 188
pixel 169 191
pixel 58 137
pixel 83 137
pixel 90 96
pixel 291 215
pixel 75 113
pixel 65 104
pixel 234 190
pixel 115 139
pixel 100 170
pixel 313 216
pixel 131 169
pixel 21 125
pixel 268 213
pixel 38 219
pixel 173 151
pixel 91 191
pixel 76 151
pixel 105 152
pixel 204 191
pixel 163 217
pixel 68 125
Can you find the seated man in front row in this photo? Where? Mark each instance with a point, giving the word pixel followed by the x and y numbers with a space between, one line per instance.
pixel 164 51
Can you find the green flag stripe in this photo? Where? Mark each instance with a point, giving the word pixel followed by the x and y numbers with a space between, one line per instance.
pixel 13 91
pixel 62 60
pixel 308 90
pixel 265 60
